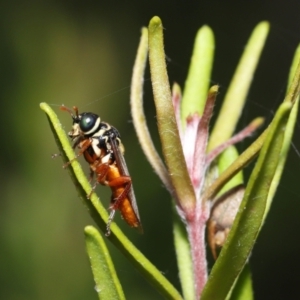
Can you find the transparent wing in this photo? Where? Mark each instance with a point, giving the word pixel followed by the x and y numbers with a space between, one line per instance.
pixel 124 171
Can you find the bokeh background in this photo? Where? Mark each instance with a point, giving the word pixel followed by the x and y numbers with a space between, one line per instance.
pixel 77 52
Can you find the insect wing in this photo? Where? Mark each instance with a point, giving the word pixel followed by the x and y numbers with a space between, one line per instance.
pixel 124 171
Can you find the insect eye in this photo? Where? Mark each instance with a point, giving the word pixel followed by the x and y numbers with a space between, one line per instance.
pixel 88 122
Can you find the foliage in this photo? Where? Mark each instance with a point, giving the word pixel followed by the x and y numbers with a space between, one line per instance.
pixel 193 171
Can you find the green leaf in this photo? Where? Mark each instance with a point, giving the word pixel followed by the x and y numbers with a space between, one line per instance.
pixel 249 220
pixel 184 259
pixel 239 86
pixel 295 75
pixel 243 160
pixel 292 98
pixel 198 80
pixel 107 283
pixel 243 288
pixel 100 216
pixel 77 175
pixel 166 120
pixel 225 159
pixel 138 115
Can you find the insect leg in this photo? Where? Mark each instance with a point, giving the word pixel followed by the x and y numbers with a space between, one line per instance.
pixel 83 147
pixel 101 169
pixel 92 173
pixel 123 181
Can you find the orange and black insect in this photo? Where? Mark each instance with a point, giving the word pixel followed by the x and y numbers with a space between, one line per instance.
pixel 100 144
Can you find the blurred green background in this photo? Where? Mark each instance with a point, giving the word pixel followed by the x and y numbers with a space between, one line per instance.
pixel 76 52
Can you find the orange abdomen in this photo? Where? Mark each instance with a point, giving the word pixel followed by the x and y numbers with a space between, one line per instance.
pixel 118 185
pixel 128 213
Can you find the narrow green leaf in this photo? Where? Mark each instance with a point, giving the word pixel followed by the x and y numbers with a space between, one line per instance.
pixel 237 92
pixel 78 177
pixel 225 159
pixel 138 115
pixel 248 222
pixel 184 259
pixel 243 160
pixel 166 120
pixel 294 66
pixel 100 216
pixel 243 288
pixel 294 79
pixel 107 283
pixel 197 82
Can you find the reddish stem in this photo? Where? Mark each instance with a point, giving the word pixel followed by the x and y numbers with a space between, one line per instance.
pixel 196 233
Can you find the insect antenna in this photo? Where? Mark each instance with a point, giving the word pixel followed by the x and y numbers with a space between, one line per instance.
pixel 75 108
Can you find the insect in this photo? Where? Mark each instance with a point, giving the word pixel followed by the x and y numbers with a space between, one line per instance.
pixel 100 144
